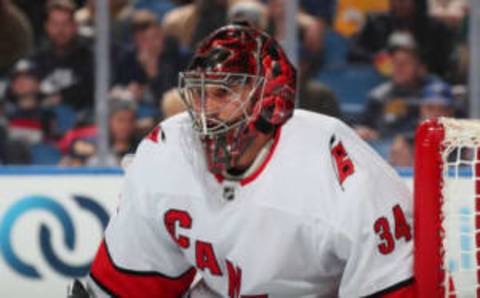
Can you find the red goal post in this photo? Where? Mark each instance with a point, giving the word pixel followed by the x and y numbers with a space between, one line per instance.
pixel 447 226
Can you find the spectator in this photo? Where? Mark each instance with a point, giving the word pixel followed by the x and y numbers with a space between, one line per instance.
pixel 461 57
pixel 311 31
pixel 16 35
pixel 11 152
pixel 436 101
pixel 28 121
pixel 3 136
pixel 35 13
pixel 123 140
pixel 189 23
pixel 317 97
pixel 172 103
pixel 78 144
pixel 392 107
pixel 252 12
pixel 121 12
pixel 147 115
pixel 324 9
pixel 65 63
pixel 449 11
pixel 151 66
pixel 434 39
pixel 80 151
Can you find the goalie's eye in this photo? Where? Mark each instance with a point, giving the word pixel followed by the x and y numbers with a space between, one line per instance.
pixel 219 93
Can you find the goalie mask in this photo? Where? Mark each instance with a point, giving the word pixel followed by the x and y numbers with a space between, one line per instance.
pixel 238 84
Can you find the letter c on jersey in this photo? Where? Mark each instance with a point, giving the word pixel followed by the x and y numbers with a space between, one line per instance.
pixel 184 220
pixel 204 252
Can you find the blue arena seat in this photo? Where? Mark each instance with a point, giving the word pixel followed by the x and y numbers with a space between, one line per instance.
pixel 382 147
pixel 351 84
pixel 65 117
pixel 45 154
pixel 336 49
pixel 158 7
pixel 147 111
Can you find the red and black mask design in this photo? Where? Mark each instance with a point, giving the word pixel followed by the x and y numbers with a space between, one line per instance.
pixel 239 84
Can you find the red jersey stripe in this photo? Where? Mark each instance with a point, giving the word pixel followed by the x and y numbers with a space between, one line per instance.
pixel 255 174
pixel 121 282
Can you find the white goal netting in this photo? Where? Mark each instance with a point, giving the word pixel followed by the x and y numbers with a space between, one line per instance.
pixel 460 208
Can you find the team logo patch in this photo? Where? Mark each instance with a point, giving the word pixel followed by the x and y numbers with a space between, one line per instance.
pixel 343 165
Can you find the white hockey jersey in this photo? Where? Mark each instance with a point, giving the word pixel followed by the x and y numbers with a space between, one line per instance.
pixel 323 216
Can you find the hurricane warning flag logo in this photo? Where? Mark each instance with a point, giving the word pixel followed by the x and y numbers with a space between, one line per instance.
pixel 43 203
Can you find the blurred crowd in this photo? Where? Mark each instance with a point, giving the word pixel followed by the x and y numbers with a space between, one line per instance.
pixel 381 65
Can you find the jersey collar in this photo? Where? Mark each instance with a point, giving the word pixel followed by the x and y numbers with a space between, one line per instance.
pixel 252 176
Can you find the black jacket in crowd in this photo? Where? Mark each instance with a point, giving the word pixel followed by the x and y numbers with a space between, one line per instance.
pixel 69 73
pixel 434 39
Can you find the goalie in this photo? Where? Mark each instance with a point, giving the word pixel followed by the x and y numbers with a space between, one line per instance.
pixel 257 200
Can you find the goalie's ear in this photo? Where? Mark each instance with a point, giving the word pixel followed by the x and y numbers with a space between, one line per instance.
pixel 77 290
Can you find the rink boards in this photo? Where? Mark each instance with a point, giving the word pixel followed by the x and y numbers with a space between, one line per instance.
pixel 51 222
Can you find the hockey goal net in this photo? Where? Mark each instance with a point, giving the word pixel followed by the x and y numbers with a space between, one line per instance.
pixel 447 208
